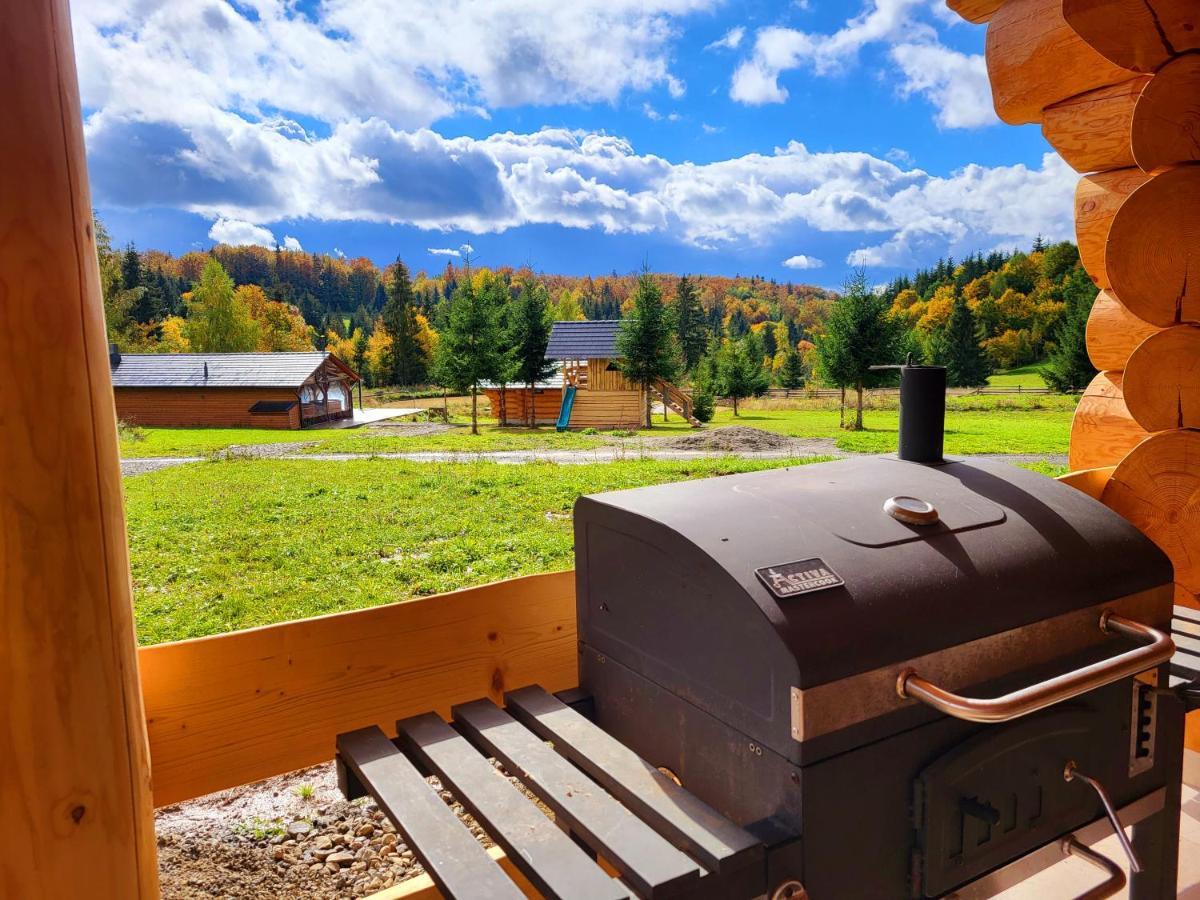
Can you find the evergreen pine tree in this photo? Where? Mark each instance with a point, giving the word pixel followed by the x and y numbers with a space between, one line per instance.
pixel 408 363
pixel 690 329
pixel 131 268
pixel 1069 367
pixel 740 372
pixel 468 350
pixel 528 335
pixel 645 342
pixel 791 375
pixel 957 348
pixel 859 334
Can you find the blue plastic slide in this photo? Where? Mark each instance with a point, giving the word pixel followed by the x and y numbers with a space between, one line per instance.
pixel 564 414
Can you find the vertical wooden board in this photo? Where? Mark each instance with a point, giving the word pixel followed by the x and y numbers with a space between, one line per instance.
pixel 75 790
pixel 1102 430
pixel 1097 200
pixel 234 708
pixel 1035 59
pixel 1157 488
pixel 1093 132
pixel 1152 256
pixel 1136 34
pixel 1166 129
pixel 1113 333
pixel 1162 380
pixel 977 11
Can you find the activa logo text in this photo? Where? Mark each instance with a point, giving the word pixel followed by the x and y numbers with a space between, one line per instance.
pixel 801 577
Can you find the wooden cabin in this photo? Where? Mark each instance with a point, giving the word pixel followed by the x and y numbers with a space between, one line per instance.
pixel 256 390
pixel 589 382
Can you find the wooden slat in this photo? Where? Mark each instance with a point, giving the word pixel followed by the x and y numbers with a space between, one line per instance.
pixel 646 860
pixel 457 862
pixel 554 863
pixel 688 822
pixel 422 887
pixel 1186 644
pixel 1187 614
pixel 232 709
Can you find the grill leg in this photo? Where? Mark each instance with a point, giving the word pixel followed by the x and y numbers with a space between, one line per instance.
pixel 1156 840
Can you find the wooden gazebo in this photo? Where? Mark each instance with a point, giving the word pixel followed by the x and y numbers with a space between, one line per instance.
pixel 97 733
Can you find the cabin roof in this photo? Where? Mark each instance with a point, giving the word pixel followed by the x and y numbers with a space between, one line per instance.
pixel 221 370
pixel 584 340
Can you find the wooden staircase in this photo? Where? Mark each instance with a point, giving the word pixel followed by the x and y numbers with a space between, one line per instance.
pixel 678 401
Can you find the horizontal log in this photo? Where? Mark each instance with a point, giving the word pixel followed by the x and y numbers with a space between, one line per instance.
pixel 1097 199
pixel 1136 34
pixel 1162 380
pixel 1166 128
pixel 1036 59
pixel 232 709
pixel 1113 332
pixel 1152 256
pixel 1102 430
pixel 977 11
pixel 1093 132
pixel 1157 488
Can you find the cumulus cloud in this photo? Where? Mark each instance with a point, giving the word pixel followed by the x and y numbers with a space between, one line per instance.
pixel 239 233
pixel 444 251
pixel 800 261
pixel 291 243
pixel 955 83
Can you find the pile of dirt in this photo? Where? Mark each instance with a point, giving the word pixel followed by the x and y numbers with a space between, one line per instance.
pixel 730 439
pixel 407 429
pixel 288 837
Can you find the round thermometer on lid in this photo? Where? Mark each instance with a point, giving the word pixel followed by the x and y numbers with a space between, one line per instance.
pixel 911 510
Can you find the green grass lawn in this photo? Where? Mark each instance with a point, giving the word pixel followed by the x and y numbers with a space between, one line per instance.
pixel 1025 376
pixel 223 545
pixel 974 424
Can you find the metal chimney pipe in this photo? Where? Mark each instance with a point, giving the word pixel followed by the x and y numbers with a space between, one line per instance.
pixel 922 413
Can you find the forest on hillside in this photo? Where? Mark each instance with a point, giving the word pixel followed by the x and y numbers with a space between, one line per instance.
pixel 977 315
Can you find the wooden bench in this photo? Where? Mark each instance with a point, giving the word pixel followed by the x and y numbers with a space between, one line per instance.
pixel 613 811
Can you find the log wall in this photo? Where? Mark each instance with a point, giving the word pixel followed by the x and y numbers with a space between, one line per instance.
pixel 546 405
pixel 1115 85
pixel 608 409
pixel 184 407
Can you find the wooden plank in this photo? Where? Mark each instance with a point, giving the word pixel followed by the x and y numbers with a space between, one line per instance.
pixel 186 407
pixel 75 790
pixel 1090 481
pixel 552 862
pixel 1187 614
pixel 682 818
pixel 423 888
pixel 646 860
pixel 458 864
pixel 232 709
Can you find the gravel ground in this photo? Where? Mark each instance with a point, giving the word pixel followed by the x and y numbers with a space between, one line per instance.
pixel 730 439
pixel 288 837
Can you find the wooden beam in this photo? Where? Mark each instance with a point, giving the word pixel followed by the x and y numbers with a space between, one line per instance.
pixel 1102 430
pixel 232 709
pixel 1090 481
pixel 75 791
pixel 977 11
pixel 1093 132
pixel 1113 333
pixel 1097 199
pixel 1136 34
pixel 1166 129
pixel 1162 380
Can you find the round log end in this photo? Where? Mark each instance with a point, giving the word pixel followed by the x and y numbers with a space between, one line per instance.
pixel 1162 380
pixel 1166 119
pixel 1157 488
pixel 1135 34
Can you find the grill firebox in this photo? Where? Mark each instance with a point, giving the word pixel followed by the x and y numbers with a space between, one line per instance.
pixel 749 633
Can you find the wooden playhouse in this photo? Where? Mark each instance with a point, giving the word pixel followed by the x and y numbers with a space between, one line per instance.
pixel 588 390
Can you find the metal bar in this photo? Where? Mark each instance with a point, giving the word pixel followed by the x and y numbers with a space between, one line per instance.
pixel 1071 772
pixel 1054 690
pixel 1116 878
pixel 1001 879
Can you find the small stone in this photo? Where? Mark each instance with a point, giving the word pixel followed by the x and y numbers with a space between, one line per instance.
pixel 365 830
pixel 324 842
pixel 299 828
pixel 341 858
pixel 323 853
pixel 389 839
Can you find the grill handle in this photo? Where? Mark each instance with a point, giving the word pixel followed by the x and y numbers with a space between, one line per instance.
pixel 1116 877
pixel 1159 649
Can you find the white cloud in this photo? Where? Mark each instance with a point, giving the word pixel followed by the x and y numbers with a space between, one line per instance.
pixel 711 129
pixel 444 251
pixel 239 233
pixel 650 112
pixel 341 59
pixel 800 261
pixel 955 83
pixel 900 156
pixel 291 243
pixel 730 40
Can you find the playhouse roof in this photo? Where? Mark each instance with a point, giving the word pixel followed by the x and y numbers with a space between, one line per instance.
pixel 584 340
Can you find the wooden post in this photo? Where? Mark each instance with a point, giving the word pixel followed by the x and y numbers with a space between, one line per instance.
pixel 75 791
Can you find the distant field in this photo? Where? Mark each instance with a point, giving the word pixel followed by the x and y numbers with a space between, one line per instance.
pixel 219 546
pixel 974 424
pixel 1026 376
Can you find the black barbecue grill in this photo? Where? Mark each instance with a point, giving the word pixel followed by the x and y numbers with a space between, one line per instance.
pixel 873 678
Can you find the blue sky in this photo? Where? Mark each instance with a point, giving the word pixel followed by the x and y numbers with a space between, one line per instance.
pixel 794 140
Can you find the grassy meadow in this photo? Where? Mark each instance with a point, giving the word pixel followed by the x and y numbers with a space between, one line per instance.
pixel 228 544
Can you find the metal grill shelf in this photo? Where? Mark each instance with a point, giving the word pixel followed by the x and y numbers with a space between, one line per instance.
pixel 607 802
